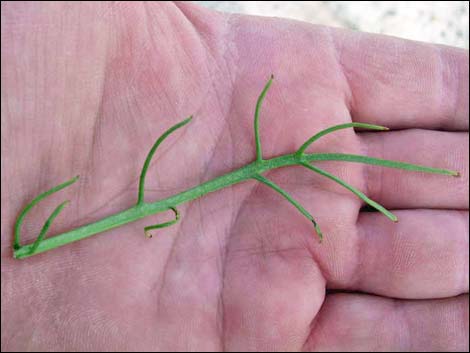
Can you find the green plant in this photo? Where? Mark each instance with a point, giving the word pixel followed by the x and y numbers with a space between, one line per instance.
pixel 253 170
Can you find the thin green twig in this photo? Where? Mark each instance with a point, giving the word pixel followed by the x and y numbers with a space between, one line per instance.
pixel 140 197
pixel 351 188
pixel 291 200
pixel 47 224
pixel 162 225
pixel 329 130
pixel 259 152
pixel 383 162
pixel 29 206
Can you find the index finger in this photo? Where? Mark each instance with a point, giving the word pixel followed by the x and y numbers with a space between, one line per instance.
pixel 401 84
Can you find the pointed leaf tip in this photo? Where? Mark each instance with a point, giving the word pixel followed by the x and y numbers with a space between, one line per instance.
pixel 318 230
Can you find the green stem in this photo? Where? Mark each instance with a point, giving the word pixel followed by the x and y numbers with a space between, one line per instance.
pixel 251 171
pixel 245 173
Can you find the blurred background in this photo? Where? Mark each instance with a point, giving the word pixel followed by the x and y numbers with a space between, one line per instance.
pixel 444 22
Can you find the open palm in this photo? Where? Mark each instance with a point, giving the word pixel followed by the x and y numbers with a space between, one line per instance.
pixel 86 89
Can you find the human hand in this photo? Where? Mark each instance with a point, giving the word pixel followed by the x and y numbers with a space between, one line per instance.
pixel 86 88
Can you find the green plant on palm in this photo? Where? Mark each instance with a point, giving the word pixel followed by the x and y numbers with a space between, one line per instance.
pixel 250 171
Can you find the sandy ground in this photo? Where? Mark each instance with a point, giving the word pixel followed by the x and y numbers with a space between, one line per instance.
pixel 444 22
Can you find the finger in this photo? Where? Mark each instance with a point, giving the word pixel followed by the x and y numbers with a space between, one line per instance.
pixel 354 322
pixel 395 188
pixel 424 255
pixel 400 83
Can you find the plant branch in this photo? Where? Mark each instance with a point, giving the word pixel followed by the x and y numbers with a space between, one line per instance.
pixel 351 188
pixel 250 171
pixel 259 152
pixel 315 137
pixel 291 200
pixel 140 197
pixel 34 202
pixel 383 163
pixel 246 172
pixel 162 225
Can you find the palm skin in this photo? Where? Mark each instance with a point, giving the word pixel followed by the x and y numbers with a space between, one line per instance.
pixel 87 88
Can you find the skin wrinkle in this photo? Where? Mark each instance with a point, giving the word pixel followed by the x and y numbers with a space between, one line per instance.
pixel 443 68
pixel 279 252
pixel 206 172
pixel 309 344
pixel 220 318
pixel 171 256
pixel 379 180
pixel 444 92
pixel 217 138
pixel 208 50
pixel 224 256
pixel 465 280
pixel 223 253
pixel 163 275
pixel 349 94
pixel 392 315
pixel 220 311
pixel 358 274
pixel 349 101
pixel 440 82
pixel 459 77
pixel 198 202
pixel 156 49
pixel 405 327
pixel 358 251
pixel 235 218
pixel 95 140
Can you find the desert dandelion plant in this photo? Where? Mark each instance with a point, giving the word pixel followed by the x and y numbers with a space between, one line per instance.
pixel 250 171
